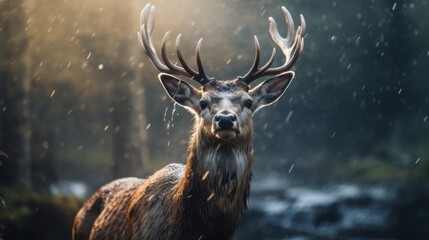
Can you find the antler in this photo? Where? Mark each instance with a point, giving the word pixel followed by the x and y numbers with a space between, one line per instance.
pixel 291 47
pixel 147 19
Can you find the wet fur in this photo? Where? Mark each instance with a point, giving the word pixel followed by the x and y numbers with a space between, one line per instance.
pixel 204 198
pixel 201 200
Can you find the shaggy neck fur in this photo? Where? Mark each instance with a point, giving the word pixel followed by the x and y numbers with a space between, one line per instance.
pixel 215 187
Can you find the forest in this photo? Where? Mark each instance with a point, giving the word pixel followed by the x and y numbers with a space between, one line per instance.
pixel 344 154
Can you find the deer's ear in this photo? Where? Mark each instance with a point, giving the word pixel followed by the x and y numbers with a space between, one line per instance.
pixel 271 90
pixel 180 91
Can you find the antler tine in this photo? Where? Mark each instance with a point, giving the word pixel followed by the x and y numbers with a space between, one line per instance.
pixel 291 47
pixel 167 62
pixel 204 79
pixel 303 26
pixel 144 37
pixel 180 57
pixel 147 20
pixel 255 64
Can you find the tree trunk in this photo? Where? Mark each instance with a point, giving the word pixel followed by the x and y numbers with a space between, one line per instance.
pixel 15 133
pixel 131 152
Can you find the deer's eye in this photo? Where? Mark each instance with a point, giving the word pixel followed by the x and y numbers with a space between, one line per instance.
pixel 248 104
pixel 203 105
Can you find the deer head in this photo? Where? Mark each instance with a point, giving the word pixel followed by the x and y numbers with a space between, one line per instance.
pixel 224 107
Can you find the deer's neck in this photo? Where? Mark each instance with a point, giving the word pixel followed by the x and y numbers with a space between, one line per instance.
pixel 215 187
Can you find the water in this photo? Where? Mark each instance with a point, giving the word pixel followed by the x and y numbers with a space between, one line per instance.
pixel 282 209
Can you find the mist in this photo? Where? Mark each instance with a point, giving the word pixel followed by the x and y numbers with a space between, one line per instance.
pixel 81 105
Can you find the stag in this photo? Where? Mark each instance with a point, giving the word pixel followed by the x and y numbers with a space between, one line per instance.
pixel 204 198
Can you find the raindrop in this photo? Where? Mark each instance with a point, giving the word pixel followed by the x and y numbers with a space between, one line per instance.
pixel 106 127
pixel 151 197
pixel 394 7
pixel 52 93
pixel 148 126
pixel 165 113
pixel 265 126
pixel 3 202
pixel 100 66
pixel 426 118
pixel 417 161
pixel 172 113
pixel 89 55
pixel 289 115
pixel 210 197
pixel 400 90
pixel 357 41
pixel 291 167
pixel 205 176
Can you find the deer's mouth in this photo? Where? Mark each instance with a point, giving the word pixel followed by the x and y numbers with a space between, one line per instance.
pixel 226 134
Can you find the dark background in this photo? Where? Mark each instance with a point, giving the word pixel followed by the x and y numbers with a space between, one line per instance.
pixel 80 105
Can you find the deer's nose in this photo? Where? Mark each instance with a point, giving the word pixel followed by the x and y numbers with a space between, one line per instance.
pixel 225 121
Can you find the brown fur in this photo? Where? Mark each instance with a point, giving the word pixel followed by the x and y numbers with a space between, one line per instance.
pixel 204 199
pixel 174 203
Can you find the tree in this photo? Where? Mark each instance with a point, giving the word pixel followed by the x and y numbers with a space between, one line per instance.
pixel 119 66
pixel 130 156
pixel 15 133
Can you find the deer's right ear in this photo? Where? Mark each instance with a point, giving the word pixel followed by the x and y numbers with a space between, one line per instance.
pixel 180 91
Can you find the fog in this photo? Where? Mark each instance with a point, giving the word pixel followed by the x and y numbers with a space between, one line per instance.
pixel 80 105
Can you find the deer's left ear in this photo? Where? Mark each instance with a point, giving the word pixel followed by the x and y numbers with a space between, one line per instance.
pixel 180 91
pixel 271 90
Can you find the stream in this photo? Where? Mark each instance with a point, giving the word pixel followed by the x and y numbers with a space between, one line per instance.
pixel 282 209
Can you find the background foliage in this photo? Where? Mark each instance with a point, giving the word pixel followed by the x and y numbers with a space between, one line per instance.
pixel 79 103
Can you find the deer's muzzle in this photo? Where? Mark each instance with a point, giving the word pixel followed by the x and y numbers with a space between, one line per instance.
pixel 225 126
pixel 225 121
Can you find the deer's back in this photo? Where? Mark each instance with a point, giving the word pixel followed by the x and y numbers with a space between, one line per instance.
pixel 121 209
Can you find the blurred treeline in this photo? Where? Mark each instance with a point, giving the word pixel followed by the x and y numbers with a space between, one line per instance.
pixel 80 102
